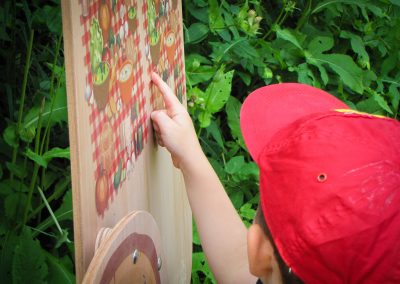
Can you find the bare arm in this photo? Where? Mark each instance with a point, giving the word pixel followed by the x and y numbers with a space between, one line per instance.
pixel 222 232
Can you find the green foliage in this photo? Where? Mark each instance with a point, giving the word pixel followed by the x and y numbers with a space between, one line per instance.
pixel 35 194
pixel 349 48
pixel 346 47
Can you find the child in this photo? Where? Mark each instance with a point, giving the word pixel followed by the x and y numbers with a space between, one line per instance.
pixel 329 189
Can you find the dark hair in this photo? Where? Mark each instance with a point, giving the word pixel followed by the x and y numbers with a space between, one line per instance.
pixel 288 277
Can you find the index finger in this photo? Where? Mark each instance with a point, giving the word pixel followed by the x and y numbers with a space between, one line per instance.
pixel 172 104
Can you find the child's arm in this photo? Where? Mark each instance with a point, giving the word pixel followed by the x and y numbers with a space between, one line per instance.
pixel 222 232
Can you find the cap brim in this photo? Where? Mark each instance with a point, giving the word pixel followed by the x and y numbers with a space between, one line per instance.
pixel 271 108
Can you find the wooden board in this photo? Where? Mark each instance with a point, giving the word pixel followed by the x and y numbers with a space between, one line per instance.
pixel 110 48
pixel 129 253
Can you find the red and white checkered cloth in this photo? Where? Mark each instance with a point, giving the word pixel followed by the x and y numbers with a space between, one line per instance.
pixel 97 118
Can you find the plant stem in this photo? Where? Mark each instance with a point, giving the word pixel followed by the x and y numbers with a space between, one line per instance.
pixel 22 99
pixel 304 16
pixel 36 165
pixel 52 92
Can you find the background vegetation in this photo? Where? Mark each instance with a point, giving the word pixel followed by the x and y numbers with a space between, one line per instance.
pixel 349 48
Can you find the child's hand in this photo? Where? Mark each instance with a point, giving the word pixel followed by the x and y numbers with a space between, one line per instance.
pixel 174 128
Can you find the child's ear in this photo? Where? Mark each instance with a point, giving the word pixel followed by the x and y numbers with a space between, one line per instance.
pixel 260 252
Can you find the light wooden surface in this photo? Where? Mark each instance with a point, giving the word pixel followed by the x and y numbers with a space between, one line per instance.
pixel 153 185
pixel 113 261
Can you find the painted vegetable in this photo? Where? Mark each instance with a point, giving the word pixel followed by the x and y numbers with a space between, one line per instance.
pixel 125 81
pixel 170 46
pixel 96 44
pixel 117 176
pixel 101 80
pixel 101 194
pixel 104 20
pixel 132 19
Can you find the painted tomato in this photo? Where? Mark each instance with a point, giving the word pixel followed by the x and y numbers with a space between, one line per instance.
pixel 101 194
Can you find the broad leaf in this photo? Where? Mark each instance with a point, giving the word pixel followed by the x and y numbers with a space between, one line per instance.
pixel 57 153
pixel 232 108
pixel 289 36
pixel 9 135
pixel 344 66
pixel 58 273
pixel 38 159
pixel 58 114
pixel 216 21
pixel 197 32
pixel 382 103
pixel 29 265
pixel 218 91
pixel 320 44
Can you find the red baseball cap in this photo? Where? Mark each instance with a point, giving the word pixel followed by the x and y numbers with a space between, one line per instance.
pixel 329 183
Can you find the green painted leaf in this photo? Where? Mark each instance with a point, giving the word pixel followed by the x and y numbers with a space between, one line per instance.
pixel 29 265
pixel 344 66
pixel 382 102
pixel 40 160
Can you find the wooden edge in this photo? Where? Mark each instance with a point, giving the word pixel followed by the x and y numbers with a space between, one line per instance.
pixel 118 233
pixel 72 114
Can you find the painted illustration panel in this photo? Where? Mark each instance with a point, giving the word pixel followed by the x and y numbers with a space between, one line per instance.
pixel 115 68
pixel 111 47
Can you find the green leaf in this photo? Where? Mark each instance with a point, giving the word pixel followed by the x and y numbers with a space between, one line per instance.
pixel 13 205
pixel 215 132
pixel 395 95
pixel 289 36
pixel 344 66
pixel 357 44
pixel 197 32
pixel 218 91
pixel 237 198
pixel 17 170
pixel 204 119
pixel 369 105
pixel 29 265
pixel 57 153
pixel 59 111
pixel 234 165
pixel 247 212
pixel 58 273
pixel 381 102
pixel 232 108
pixel 216 21
pixel 198 260
pixel 320 44
pixel 36 158
pixel 9 135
